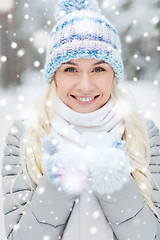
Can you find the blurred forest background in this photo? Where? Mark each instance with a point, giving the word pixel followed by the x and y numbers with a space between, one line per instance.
pixel 25 26
pixel 24 29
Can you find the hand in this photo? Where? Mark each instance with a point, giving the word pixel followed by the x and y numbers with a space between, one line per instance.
pixel 64 166
pixel 103 169
pixel 110 168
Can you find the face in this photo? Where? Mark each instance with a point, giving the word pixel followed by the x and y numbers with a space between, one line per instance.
pixel 84 85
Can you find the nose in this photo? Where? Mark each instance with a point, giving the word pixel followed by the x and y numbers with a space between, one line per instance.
pixel 85 84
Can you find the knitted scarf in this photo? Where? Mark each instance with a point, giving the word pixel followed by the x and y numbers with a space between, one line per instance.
pixel 87 220
pixel 69 125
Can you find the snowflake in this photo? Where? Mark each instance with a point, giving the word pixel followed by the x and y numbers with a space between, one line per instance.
pixel 41 50
pixel 155 20
pixel 145 34
pixel 96 214
pixel 143 186
pixel 49 103
pixel 26 5
pixel 41 190
pixel 128 39
pixel 148 58
pixel 10 16
pixel 8 167
pixel 26 16
pixel 93 230
pixel 155 82
pixel 16 227
pixel 3 58
pixel 14 45
pixel 46 237
pixel 29 150
pixel 135 56
pixel 36 63
pixel 20 52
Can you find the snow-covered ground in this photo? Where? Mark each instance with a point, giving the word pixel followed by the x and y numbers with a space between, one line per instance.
pixel 16 103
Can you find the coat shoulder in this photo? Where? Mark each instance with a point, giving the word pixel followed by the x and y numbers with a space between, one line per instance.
pixel 153 130
pixel 15 132
pixel 11 153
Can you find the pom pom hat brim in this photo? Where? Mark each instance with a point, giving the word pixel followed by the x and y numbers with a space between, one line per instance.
pixel 81 31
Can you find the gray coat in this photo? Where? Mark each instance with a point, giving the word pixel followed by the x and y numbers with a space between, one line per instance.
pixel 45 216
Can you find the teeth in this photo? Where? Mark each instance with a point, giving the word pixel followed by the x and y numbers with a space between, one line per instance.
pixel 85 99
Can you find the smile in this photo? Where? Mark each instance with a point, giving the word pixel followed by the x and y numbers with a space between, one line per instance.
pixel 85 100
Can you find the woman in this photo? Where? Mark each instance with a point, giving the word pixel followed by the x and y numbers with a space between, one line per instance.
pixel 83 166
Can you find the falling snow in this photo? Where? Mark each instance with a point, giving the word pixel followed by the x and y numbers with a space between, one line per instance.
pixel 14 45
pixel 93 230
pixel 20 53
pixel 141 46
pixel 36 63
pixel 3 58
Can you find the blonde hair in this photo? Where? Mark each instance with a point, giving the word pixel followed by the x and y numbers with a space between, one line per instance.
pixel 135 137
pixel 136 141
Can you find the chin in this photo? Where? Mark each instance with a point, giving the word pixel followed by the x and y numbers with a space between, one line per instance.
pixel 79 110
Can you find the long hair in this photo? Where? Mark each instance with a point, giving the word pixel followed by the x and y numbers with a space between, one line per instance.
pixel 135 137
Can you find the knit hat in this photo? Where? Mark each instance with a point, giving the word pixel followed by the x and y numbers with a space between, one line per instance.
pixel 82 31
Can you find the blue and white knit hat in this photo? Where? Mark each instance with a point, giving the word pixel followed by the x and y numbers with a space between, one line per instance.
pixel 81 31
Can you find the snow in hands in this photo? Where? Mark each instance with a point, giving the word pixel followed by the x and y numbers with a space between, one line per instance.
pixel 77 169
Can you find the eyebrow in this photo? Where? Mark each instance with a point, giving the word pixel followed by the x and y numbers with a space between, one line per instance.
pixel 97 63
pixel 100 62
pixel 71 63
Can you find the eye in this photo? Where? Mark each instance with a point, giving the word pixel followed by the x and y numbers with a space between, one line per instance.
pixel 98 69
pixel 70 69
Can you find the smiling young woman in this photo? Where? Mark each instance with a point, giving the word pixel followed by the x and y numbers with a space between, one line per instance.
pixel 84 85
pixel 83 165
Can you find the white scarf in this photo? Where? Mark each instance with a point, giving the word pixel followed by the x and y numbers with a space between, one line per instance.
pixel 87 221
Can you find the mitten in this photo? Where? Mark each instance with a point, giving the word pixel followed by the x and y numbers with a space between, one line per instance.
pixel 64 165
pixel 109 169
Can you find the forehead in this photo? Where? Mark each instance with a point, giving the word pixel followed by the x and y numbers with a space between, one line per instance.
pixel 91 61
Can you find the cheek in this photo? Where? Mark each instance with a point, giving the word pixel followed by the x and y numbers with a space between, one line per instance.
pixel 59 85
pixel 106 86
pixel 63 87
